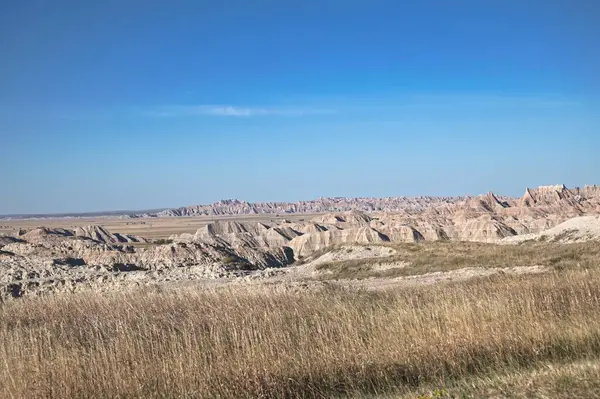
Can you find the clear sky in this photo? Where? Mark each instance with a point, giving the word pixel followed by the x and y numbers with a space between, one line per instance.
pixel 135 104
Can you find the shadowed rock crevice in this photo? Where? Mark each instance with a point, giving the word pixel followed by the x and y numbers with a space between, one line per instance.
pixel 120 267
pixel 73 262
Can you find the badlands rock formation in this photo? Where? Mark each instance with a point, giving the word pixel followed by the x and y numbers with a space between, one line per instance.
pixel 48 259
pixel 487 218
pixel 578 229
pixel 96 233
pixel 321 205
pixel 100 234
pixel 309 243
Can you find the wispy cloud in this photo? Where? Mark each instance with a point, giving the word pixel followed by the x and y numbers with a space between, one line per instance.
pixel 229 110
pixel 235 111
pixel 368 104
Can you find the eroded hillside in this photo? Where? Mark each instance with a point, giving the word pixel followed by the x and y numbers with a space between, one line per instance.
pixel 47 259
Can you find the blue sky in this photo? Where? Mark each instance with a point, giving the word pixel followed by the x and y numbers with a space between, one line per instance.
pixel 143 104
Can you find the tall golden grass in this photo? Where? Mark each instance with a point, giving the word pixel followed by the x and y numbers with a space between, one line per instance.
pixel 267 342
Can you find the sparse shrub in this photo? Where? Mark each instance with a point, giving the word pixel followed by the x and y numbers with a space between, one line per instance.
pixel 565 235
pixel 229 260
pixel 435 394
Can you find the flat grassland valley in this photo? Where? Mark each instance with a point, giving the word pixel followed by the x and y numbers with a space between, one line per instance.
pixel 409 297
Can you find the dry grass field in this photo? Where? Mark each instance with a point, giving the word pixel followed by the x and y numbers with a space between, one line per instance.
pixel 504 336
pixel 444 256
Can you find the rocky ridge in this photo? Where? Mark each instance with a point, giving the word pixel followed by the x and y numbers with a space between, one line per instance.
pixel 320 205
